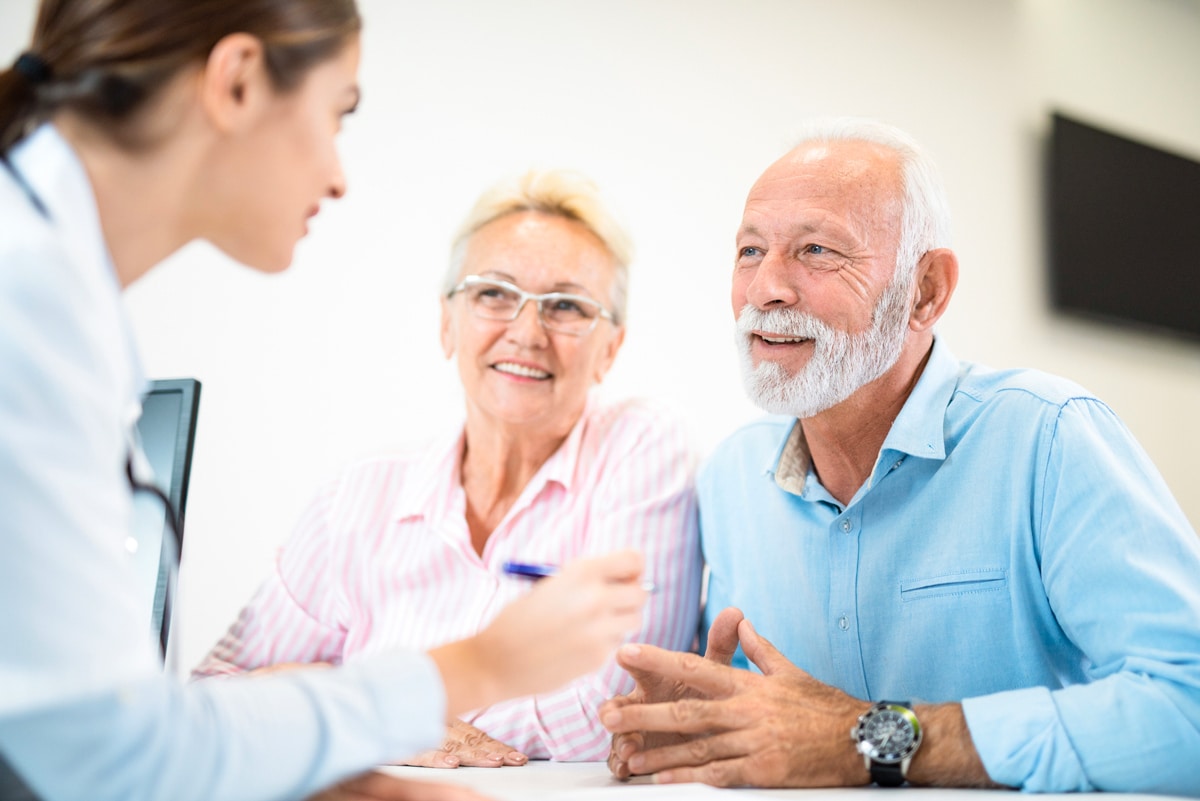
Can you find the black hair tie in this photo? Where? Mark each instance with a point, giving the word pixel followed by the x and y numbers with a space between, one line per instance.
pixel 33 67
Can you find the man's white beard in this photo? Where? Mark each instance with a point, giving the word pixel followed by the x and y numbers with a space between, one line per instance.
pixel 841 362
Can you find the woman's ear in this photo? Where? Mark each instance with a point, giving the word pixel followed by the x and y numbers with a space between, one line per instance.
pixel 447 332
pixel 609 354
pixel 937 276
pixel 235 84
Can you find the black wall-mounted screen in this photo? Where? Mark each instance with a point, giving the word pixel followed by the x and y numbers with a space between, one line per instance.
pixel 1124 230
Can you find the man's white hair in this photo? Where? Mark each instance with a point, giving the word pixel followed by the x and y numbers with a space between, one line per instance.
pixel 925 222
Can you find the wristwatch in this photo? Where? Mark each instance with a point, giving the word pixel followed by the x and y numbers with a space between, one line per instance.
pixel 888 734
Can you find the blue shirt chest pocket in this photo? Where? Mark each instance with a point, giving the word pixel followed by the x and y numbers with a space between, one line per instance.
pixel 986 581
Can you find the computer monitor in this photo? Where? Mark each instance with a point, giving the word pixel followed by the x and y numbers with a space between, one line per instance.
pixel 167 430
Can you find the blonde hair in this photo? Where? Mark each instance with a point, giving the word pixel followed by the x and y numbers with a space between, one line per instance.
pixel 561 193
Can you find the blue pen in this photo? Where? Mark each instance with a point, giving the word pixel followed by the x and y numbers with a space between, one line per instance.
pixel 533 571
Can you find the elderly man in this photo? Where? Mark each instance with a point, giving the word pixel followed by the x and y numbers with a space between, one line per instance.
pixel 973 577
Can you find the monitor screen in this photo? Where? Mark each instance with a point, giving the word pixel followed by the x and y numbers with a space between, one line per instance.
pixel 1124 227
pixel 167 430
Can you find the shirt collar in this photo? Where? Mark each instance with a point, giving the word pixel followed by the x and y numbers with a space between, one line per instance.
pixel 52 170
pixel 919 429
pixel 440 466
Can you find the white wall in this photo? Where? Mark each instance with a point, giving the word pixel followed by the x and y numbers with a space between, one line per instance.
pixel 674 107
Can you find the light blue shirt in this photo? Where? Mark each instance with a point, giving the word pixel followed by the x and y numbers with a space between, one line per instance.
pixel 84 710
pixel 1013 549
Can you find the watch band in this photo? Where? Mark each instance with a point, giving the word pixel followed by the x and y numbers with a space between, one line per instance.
pixel 887 775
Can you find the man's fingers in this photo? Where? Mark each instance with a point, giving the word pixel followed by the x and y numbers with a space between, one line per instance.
pixel 761 652
pixel 723 636
pixel 688 716
pixel 711 678
pixel 724 773
pixel 692 753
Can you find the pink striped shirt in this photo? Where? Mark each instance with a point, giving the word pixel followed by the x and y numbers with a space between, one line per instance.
pixel 383 558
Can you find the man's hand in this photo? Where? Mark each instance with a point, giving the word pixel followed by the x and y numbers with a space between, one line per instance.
pixel 381 787
pixel 469 747
pixel 779 729
pixel 652 688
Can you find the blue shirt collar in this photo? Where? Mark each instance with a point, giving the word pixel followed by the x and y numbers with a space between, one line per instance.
pixel 919 429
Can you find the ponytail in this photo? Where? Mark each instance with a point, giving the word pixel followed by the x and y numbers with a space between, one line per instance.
pixel 19 98
pixel 103 59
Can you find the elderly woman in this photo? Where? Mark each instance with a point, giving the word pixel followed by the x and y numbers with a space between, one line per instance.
pixel 411 549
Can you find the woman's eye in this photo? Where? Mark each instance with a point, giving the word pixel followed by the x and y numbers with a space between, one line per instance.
pixel 568 306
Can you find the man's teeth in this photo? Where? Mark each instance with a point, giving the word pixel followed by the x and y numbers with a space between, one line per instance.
pixel 521 370
pixel 783 340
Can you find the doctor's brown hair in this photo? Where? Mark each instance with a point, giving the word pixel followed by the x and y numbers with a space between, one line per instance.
pixel 104 59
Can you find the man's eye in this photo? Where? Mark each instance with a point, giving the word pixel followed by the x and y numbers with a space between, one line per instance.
pixel 750 251
pixel 816 250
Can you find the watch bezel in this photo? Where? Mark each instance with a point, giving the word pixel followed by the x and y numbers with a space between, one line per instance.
pixel 871 750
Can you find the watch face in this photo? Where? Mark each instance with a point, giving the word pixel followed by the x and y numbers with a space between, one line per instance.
pixel 889 734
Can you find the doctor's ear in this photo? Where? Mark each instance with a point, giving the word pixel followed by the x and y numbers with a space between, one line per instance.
pixel 235 83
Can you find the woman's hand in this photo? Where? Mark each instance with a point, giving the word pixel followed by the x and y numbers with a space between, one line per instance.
pixel 468 747
pixel 567 626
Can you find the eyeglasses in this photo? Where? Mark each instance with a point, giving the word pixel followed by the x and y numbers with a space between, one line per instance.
pixel 559 311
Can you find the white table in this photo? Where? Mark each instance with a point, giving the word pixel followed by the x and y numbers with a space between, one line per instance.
pixel 588 781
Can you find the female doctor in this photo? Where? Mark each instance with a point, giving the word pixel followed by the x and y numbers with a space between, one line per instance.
pixel 127 129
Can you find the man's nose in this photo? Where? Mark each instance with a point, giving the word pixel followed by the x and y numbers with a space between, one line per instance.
pixel 774 282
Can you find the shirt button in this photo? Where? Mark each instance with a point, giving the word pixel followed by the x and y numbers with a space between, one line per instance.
pixel 847 525
pixel 844 623
pixel 898 463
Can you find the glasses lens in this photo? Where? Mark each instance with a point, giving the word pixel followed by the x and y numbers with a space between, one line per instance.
pixel 569 313
pixel 492 301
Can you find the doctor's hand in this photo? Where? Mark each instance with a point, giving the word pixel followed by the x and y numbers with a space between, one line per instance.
pixel 469 747
pixel 381 787
pixel 654 688
pixel 734 727
pixel 568 625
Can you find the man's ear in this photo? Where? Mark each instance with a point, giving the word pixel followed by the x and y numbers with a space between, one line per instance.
pixel 937 276
pixel 235 81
